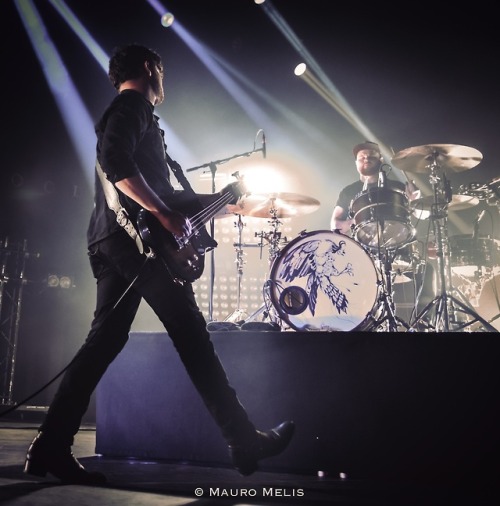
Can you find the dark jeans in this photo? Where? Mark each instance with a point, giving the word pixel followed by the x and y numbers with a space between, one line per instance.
pixel 116 262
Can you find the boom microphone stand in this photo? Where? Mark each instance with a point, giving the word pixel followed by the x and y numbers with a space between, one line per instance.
pixel 213 170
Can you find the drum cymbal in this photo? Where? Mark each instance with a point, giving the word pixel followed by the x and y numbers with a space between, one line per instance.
pixel 449 157
pixel 457 203
pixel 280 204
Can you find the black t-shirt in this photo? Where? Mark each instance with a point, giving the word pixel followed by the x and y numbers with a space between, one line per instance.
pixel 351 191
pixel 129 142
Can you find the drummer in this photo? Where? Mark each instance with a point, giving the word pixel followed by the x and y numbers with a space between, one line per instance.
pixel 369 161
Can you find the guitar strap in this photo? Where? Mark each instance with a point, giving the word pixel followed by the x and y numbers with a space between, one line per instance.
pixel 114 204
pixel 179 174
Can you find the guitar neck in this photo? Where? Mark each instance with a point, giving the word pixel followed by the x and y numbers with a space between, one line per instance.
pixel 201 218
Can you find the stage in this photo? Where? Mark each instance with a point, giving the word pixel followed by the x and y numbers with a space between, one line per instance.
pixel 368 405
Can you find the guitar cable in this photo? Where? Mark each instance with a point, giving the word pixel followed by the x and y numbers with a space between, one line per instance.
pixel 149 255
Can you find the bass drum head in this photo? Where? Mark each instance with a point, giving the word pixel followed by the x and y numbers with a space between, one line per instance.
pixel 324 281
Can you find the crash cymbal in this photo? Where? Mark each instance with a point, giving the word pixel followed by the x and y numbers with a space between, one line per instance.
pixel 281 205
pixel 449 157
pixel 423 206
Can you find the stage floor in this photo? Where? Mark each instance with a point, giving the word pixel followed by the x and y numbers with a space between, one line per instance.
pixel 145 483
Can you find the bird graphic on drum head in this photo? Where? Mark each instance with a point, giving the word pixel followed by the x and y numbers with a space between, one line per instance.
pixel 317 261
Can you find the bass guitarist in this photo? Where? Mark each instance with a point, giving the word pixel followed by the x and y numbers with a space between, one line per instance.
pixel 134 176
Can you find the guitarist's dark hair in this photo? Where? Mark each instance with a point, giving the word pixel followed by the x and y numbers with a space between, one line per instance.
pixel 127 62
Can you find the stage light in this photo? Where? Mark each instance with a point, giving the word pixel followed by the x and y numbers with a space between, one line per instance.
pixel 259 2
pixel 58 281
pixel 300 69
pixel 52 281
pixel 167 19
pixel 65 282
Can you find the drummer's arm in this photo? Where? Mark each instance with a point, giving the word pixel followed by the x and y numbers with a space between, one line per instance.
pixel 339 221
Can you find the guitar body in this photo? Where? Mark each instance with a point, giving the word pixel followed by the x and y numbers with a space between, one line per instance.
pixel 185 261
pixel 184 258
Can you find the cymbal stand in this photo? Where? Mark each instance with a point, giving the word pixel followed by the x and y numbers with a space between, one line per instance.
pixel 274 236
pixel 274 239
pixel 446 307
pixel 238 315
pixel 389 309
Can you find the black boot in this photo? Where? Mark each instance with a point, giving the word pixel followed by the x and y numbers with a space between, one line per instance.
pixel 44 457
pixel 268 444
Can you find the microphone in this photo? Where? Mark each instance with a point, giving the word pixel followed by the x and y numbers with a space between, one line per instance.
pixel 263 144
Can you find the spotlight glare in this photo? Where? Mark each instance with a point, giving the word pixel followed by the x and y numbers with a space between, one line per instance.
pixel 300 69
pixel 258 2
pixel 167 19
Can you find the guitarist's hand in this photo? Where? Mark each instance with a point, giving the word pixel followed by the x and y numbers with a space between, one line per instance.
pixel 175 222
pixel 137 189
pixel 236 189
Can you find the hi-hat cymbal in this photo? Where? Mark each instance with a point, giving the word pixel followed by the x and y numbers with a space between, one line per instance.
pixel 449 157
pixel 279 205
pixel 423 206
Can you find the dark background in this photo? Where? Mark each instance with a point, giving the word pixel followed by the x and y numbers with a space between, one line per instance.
pixel 415 74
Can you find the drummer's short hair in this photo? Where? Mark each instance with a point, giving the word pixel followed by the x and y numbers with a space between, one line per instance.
pixel 365 145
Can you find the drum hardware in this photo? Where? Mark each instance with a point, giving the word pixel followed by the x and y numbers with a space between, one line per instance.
pixel 283 205
pixel 404 263
pixel 238 316
pixel 274 241
pixel 436 160
pixel 274 206
pixel 489 192
pixel 325 281
pixel 448 157
pixel 421 208
pixel 382 218
pixel 473 256
pixel 387 297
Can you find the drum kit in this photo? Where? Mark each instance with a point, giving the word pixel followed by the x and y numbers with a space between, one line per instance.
pixel 327 281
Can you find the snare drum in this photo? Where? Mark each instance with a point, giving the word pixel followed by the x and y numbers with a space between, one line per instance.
pixel 467 254
pixel 382 218
pixel 325 281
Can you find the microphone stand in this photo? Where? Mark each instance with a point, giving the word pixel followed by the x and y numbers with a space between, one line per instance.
pixel 213 171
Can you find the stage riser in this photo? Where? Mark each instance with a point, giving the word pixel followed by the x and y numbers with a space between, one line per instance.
pixel 367 404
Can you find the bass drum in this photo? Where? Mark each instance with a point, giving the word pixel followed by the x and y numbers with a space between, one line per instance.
pixel 325 281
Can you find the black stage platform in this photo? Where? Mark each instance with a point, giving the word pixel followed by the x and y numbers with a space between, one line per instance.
pixel 368 405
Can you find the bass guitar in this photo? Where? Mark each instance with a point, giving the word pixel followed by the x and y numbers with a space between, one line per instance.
pixel 184 257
